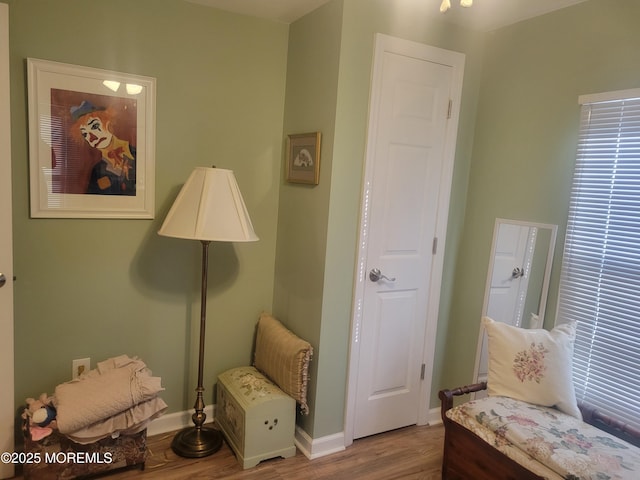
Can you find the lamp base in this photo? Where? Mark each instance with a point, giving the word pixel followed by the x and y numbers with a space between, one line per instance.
pixel 196 443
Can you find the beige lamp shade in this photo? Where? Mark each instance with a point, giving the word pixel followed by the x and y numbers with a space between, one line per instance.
pixel 209 207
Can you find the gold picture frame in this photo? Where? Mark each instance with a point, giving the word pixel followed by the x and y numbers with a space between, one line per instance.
pixel 303 158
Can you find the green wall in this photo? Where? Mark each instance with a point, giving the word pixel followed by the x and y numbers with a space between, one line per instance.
pixel 98 288
pixel 514 159
pixel 312 77
pixel 230 88
pixel 329 70
pixel 526 138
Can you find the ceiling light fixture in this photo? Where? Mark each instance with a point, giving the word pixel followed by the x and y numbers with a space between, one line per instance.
pixel 446 4
pixel 111 85
pixel 133 89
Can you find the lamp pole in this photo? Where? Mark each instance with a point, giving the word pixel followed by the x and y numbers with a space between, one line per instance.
pixel 197 441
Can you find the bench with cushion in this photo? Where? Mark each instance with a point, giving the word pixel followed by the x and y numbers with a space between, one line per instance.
pixel 496 438
pixel 530 426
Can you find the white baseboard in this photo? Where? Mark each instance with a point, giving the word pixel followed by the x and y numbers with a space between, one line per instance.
pixel 434 417
pixel 176 421
pixel 310 447
pixel 318 447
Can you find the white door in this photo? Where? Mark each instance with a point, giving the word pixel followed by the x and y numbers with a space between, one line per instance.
pixel 6 254
pixel 412 131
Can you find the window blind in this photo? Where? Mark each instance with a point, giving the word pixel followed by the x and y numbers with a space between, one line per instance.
pixel 600 279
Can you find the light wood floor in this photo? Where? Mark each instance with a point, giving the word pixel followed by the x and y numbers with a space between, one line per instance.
pixel 408 453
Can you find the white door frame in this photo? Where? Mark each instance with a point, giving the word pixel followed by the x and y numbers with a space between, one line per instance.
pixel 7 410
pixel 385 43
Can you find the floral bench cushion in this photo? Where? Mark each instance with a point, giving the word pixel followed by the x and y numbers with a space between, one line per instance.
pixel 548 442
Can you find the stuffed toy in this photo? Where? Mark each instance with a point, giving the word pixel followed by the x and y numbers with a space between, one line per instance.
pixel 41 411
pixel 41 415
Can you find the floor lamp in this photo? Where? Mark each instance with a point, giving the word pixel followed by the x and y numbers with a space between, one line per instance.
pixel 208 208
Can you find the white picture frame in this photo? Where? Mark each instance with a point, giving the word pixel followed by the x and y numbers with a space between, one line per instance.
pixel 69 177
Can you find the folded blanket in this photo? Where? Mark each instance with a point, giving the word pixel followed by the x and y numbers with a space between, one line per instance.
pixel 114 386
pixel 129 422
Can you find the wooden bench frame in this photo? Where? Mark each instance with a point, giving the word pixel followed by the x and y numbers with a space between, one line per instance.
pixel 467 456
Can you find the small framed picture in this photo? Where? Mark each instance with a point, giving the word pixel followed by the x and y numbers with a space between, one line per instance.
pixel 91 142
pixel 303 158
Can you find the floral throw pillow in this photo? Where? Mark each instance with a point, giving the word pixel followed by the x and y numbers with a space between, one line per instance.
pixel 532 365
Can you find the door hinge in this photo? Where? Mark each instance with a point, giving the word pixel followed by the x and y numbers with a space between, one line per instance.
pixel 422 371
pixel 434 247
pixel 449 108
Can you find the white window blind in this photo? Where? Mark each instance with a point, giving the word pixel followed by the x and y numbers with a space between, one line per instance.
pixel 600 280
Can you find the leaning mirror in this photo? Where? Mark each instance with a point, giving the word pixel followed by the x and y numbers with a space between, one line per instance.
pixel 517 280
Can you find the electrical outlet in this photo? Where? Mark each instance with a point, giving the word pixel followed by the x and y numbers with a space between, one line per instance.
pixel 80 366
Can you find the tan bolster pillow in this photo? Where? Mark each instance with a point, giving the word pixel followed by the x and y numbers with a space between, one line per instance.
pixel 284 358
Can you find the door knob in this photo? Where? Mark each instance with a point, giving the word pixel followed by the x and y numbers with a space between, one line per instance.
pixel 375 274
pixel 3 280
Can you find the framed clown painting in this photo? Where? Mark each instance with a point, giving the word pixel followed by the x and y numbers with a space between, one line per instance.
pixel 91 142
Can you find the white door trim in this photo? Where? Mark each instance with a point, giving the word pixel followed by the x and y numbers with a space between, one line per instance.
pixel 385 43
pixel 7 410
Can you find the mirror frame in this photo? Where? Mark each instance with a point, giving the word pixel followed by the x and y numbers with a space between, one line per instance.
pixel 487 288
